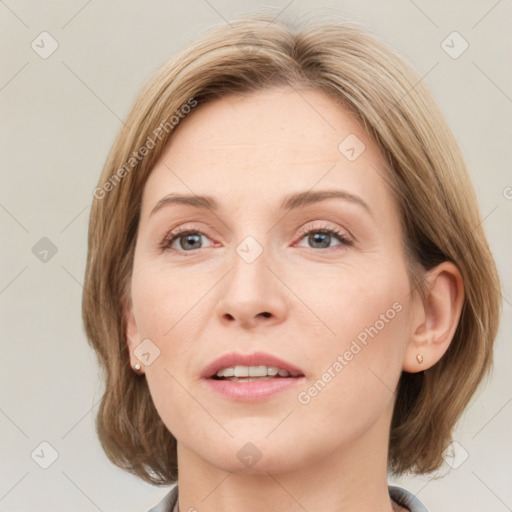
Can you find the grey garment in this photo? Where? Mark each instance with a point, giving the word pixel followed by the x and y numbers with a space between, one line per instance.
pixel 168 501
pixel 406 499
pixel 401 496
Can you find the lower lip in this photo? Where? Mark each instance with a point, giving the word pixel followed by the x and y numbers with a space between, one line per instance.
pixel 254 390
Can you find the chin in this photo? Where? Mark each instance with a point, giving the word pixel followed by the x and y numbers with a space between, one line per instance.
pixel 256 455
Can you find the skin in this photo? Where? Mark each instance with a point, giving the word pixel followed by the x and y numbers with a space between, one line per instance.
pixel 196 304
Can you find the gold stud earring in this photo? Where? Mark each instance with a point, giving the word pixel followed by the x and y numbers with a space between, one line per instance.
pixel 419 358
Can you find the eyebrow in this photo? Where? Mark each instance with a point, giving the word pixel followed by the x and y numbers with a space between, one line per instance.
pixel 290 201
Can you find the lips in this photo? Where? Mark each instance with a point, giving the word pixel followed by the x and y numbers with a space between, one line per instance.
pixel 254 359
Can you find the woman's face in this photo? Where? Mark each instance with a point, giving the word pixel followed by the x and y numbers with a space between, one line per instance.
pixel 320 284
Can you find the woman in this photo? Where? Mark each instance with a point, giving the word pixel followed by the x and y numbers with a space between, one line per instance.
pixel 288 285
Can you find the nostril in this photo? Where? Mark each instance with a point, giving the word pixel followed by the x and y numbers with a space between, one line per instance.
pixel 265 314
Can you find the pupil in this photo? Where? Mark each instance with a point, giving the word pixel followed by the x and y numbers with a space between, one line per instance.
pixel 188 238
pixel 320 237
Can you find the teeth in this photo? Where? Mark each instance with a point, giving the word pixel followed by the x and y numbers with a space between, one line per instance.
pixel 247 379
pixel 252 371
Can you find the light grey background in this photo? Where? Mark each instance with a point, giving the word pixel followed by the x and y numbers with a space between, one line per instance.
pixel 59 116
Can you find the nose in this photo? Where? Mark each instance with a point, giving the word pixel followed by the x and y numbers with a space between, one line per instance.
pixel 252 295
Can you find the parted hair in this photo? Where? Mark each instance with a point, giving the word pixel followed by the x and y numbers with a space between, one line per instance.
pixel 426 172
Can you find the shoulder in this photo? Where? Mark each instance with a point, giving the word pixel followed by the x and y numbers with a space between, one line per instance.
pixel 166 504
pixel 406 499
pixel 401 496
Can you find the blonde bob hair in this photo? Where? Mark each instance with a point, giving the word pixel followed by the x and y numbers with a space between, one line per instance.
pixel 426 173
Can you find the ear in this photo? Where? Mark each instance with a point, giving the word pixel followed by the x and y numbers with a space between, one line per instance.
pixel 435 318
pixel 132 333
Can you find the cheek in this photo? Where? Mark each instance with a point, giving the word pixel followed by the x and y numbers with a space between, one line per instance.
pixel 170 310
pixel 357 303
pixel 359 357
pixel 164 298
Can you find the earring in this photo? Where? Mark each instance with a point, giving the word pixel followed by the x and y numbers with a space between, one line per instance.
pixel 136 366
pixel 419 358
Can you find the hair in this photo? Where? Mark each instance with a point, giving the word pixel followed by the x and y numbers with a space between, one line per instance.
pixel 426 172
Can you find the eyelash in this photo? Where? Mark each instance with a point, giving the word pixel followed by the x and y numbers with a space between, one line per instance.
pixel 169 239
pixel 329 231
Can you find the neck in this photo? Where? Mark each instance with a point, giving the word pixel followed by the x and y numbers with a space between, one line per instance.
pixel 350 478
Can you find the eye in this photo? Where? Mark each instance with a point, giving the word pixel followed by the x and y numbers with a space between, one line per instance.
pixel 320 238
pixel 188 239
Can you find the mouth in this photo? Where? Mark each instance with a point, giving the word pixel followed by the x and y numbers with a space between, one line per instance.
pixel 247 367
pixel 242 373
pixel 249 377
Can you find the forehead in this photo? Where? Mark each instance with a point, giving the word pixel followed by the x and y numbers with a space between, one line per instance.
pixel 260 146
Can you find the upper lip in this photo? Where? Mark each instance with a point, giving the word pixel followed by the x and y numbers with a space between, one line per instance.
pixel 254 359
